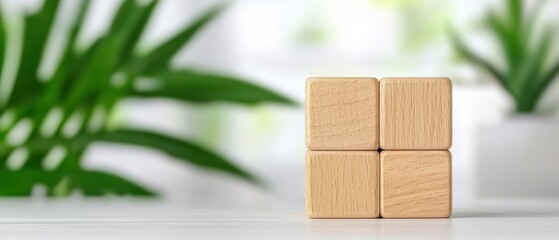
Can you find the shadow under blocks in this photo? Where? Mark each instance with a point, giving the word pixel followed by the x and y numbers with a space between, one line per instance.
pixel 379 148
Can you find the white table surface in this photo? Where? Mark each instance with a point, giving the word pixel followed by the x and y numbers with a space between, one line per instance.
pixel 153 219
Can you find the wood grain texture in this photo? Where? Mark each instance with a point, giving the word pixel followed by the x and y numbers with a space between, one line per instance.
pixel 342 184
pixel 415 184
pixel 342 114
pixel 415 113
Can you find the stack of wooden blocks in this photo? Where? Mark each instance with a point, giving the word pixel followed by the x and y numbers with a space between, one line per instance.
pixel 379 150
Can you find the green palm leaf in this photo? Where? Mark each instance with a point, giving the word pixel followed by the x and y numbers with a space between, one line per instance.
pixel 2 49
pixel 21 182
pixel 83 82
pixel 97 183
pixel 159 58
pixel 479 61
pixel 37 29
pixel 197 86
pixel 181 149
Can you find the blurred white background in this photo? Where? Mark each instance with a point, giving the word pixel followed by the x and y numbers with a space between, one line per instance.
pixel 279 43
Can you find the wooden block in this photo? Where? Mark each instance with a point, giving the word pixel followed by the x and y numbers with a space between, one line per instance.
pixel 415 113
pixel 415 184
pixel 342 114
pixel 342 184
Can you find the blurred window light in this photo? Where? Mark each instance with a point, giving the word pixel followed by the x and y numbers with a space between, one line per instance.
pixel 73 125
pixel 7 118
pixel 17 158
pixel 14 39
pixel 53 159
pixel 57 39
pixel 20 132
pixel 51 122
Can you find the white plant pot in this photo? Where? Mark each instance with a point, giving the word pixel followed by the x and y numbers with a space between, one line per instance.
pixel 519 158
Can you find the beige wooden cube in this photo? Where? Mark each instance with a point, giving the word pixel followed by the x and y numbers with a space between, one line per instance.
pixel 415 184
pixel 342 184
pixel 415 113
pixel 342 114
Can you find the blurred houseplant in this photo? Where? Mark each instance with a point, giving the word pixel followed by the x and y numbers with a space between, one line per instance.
pixel 518 157
pixel 527 71
pixel 48 124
